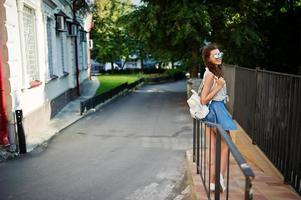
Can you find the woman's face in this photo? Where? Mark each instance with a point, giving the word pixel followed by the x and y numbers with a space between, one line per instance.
pixel 215 57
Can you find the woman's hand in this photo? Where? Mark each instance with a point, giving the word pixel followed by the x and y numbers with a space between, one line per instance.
pixel 220 81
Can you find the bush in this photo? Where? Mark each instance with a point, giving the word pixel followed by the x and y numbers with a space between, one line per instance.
pixel 153 71
pixel 176 74
pixel 134 71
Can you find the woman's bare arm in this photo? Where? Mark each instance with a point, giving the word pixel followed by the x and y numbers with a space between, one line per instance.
pixel 207 95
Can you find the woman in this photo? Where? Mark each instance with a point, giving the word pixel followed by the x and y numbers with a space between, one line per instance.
pixel 214 94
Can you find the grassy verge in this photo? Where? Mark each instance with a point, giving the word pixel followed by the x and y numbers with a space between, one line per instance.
pixel 108 82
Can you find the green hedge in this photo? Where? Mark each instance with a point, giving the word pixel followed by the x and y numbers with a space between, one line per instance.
pixel 175 74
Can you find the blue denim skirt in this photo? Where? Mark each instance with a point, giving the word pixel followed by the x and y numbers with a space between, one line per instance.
pixel 218 114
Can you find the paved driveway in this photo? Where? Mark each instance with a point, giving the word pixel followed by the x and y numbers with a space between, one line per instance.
pixel 133 148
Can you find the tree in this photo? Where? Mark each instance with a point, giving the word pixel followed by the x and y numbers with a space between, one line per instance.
pixel 110 38
pixel 171 29
pixel 251 33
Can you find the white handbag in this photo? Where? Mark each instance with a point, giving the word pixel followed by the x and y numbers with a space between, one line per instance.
pixel 197 110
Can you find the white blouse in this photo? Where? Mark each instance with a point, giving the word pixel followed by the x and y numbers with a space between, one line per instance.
pixel 221 94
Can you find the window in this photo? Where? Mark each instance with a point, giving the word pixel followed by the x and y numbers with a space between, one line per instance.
pixel 61 52
pixel 50 46
pixel 80 56
pixel 85 55
pixel 83 36
pixel 30 44
pixel 72 29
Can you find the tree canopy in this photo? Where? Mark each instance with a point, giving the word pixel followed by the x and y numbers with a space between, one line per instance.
pixel 251 33
pixel 110 38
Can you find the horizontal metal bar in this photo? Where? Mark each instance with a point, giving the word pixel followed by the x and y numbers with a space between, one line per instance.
pixel 245 168
pixel 247 69
pixel 279 73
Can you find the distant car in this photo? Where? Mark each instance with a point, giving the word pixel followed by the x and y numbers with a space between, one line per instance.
pixel 178 63
pixel 119 63
pixel 108 66
pixel 96 67
pixel 149 63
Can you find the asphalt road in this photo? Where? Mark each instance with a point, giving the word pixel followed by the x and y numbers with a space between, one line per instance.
pixel 132 148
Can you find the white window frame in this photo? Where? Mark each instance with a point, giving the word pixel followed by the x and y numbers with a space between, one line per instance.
pixel 48 13
pixel 49 21
pixel 80 54
pixel 20 6
pixel 64 53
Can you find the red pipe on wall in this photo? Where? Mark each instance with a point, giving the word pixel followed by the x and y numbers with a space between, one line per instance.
pixel 74 9
pixel 3 121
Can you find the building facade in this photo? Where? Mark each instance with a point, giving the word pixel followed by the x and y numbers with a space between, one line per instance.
pixel 42 71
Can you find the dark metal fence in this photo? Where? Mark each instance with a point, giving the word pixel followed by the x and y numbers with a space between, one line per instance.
pixel 244 100
pixel 268 106
pixel 94 101
pixel 202 157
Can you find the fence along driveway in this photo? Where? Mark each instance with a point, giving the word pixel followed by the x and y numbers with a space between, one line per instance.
pixel 267 105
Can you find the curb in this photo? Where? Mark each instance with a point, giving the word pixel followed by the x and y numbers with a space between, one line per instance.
pixel 197 189
pixel 7 154
pixel 188 168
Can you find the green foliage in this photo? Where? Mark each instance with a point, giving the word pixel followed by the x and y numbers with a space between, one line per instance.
pixel 172 30
pixel 110 38
pixel 175 74
pixel 251 33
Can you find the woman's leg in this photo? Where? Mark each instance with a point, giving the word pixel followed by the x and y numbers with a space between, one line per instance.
pixel 224 156
pixel 211 132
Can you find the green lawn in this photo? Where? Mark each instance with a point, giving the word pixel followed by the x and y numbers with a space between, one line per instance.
pixel 108 82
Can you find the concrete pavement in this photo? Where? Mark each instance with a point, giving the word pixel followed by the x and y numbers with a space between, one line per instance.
pixel 133 149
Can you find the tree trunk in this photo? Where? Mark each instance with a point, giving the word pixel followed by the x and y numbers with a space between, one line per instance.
pixel 112 66
pixel 160 65
pixel 124 63
pixel 172 64
pixel 142 65
pixel 194 64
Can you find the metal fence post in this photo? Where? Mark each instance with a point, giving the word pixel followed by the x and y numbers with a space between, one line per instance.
pixel 217 165
pixel 197 146
pixel 253 134
pixel 248 192
pixel 20 130
pixel 194 139
pixel 81 108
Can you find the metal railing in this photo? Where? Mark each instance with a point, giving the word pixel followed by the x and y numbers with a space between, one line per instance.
pixel 267 105
pixel 94 101
pixel 202 157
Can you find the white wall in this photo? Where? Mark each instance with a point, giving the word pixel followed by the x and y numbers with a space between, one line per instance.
pixel 19 95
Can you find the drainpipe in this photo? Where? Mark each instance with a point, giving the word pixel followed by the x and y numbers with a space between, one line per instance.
pixel 3 125
pixel 76 52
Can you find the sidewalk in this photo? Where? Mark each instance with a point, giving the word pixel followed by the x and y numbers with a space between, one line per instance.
pixel 67 116
pixel 267 185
